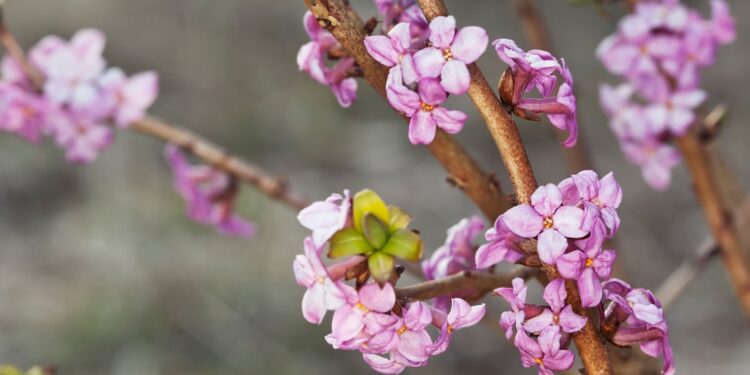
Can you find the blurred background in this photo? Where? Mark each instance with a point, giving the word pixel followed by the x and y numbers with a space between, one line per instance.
pixel 101 273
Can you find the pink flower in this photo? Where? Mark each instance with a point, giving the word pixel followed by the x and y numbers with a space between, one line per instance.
pixel 450 52
pixel 423 109
pixel 394 50
pixel 413 347
pixel 311 60
pixel 723 24
pixel 22 113
pixel 547 218
pixel 559 316
pixel 364 314
pixel 674 112
pixel 461 315
pixel 323 293
pixel 71 69
pixel 503 246
pixel 546 354
pixel 516 297
pixel 600 197
pixel 641 321
pixel 655 159
pixel 588 266
pixel 327 217
pixel 209 194
pixel 535 69
pixel 82 138
pixel 130 96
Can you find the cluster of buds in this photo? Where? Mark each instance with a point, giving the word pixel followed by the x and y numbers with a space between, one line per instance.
pixel 391 334
pixel 208 193
pixel 78 99
pixel 659 50
pixel 568 223
pixel 537 69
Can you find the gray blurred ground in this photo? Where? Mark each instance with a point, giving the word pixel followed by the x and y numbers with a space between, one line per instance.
pixel 101 273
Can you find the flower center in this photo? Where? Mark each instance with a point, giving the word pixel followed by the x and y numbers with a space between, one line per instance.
pixel 447 54
pixel 362 307
pixel 548 222
pixel 401 330
pixel 589 262
pixel 320 279
pixel 450 329
pixel 538 361
pixel 427 107
pixel 556 319
pixel 597 202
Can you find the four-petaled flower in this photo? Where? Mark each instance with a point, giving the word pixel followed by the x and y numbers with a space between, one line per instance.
pixel 450 52
pixel 559 316
pixel 516 297
pixel 323 293
pixel 588 266
pixel 546 354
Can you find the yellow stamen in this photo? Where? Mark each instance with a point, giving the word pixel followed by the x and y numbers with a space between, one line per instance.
pixel 401 330
pixel 450 329
pixel 589 262
pixel 362 307
pixel 556 319
pixel 427 107
pixel 538 361
pixel 548 222
pixel 447 54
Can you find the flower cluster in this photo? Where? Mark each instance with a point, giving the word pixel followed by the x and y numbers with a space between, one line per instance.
pixel 390 334
pixel 209 194
pixel 424 68
pixel 537 69
pixel 569 222
pixel 552 324
pixel 456 255
pixel 640 320
pixel 659 50
pixel 80 97
pixel 312 58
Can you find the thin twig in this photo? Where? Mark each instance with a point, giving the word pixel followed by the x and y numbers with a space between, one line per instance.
pixel 214 155
pixel 479 282
pixel 273 187
pixel 590 346
pixel 719 216
pixel 347 27
pixel 683 275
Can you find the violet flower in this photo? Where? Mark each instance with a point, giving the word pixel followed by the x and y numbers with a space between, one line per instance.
pixel 655 159
pixel 549 219
pixel 559 316
pixel 503 246
pixel 588 266
pixel 323 293
pixel 423 108
pixel 130 96
pixel 450 52
pixel 536 69
pixel 546 354
pixel 461 315
pixel 674 112
pixel 408 11
pixel 324 218
pixel 516 297
pixel 640 315
pixel 22 113
pixel 603 197
pixel 394 50
pixel 209 195
pixel 364 314
pixel 457 254
pixel 82 138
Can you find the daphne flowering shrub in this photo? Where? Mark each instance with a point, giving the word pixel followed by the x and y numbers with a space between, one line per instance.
pixel 80 97
pixel 659 50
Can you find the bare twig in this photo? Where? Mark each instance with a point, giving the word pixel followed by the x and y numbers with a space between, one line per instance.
pixel 479 282
pixel 719 216
pixel 505 133
pixel 348 29
pixel 681 277
pixel 275 188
